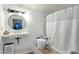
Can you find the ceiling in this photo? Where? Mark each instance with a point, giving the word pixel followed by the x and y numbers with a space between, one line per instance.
pixel 45 8
pixel 48 8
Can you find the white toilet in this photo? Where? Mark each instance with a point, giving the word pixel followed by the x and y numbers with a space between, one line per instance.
pixel 41 43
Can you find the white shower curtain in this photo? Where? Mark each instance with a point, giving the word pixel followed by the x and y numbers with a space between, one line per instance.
pixel 63 29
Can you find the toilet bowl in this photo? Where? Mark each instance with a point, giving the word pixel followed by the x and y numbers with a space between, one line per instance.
pixel 41 43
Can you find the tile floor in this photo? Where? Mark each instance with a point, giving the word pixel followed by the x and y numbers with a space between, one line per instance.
pixel 37 51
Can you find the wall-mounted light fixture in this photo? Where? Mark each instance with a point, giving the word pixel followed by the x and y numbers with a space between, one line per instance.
pixel 15 11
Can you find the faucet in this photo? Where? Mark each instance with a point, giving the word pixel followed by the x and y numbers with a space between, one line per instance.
pixel 18 38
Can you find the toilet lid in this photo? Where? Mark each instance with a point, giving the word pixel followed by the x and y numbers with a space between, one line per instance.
pixel 42 40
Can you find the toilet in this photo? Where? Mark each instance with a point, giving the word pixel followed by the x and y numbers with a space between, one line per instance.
pixel 41 43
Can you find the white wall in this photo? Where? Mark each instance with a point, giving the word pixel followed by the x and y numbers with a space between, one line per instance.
pixel 35 29
pixel 1 25
pixel 0 21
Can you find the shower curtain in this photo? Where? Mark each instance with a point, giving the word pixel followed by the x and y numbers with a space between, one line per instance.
pixel 62 28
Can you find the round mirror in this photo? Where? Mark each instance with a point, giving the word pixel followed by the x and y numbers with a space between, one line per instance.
pixel 16 22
